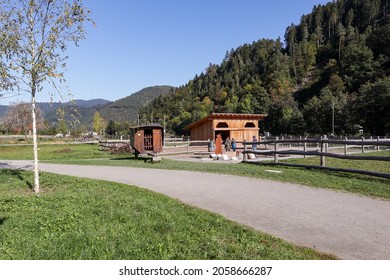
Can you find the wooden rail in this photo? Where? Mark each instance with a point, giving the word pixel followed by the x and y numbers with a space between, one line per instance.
pixel 321 149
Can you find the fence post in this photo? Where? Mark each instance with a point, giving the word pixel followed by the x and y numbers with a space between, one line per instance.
pixel 300 143
pixel 244 154
pixel 326 145
pixel 377 146
pixel 322 158
pixel 345 146
pixel 276 156
pixel 304 147
pixel 362 145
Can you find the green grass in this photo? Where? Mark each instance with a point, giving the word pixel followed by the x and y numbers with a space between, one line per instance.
pixel 53 152
pixel 368 165
pixel 77 218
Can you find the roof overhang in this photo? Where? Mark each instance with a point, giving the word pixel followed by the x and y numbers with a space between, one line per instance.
pixel 148 126
pixel 227 116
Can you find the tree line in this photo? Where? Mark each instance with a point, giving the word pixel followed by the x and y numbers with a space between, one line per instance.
pixel 333 65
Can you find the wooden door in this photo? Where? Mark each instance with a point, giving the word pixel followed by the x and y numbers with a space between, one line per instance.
pixel 157 140
pixel 139 141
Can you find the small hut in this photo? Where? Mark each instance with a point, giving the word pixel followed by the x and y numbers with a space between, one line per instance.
pixel 147 138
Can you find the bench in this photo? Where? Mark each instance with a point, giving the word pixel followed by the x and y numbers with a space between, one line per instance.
pixel 153 157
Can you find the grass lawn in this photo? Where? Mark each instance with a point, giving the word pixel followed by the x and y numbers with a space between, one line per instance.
pixel 376 166
pixel 53 152
pixel 86 219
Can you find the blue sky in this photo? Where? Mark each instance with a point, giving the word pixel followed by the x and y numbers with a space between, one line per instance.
pixel 141 43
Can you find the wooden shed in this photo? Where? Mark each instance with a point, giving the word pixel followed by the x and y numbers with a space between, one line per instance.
pixel 147 138
pixel 238 126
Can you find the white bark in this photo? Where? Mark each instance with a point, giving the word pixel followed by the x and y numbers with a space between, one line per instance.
pixel 33 93
pixel 35 145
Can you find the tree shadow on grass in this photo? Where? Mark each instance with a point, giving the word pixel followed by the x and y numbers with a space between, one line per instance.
pixel 18 174
pixel 124 158
pixel 349 176
pixel 139 158
pixel 2 220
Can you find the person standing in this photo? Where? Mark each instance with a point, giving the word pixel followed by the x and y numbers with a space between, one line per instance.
pixel 212 146
pixel 234 145
pixel 227 145
pixel 254 144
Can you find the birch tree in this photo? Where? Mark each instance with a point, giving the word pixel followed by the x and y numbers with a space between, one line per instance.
pixel 98 123
pixel 33 42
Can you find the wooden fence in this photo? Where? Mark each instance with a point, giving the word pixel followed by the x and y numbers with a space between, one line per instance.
pixel 171 146
pixel 319 147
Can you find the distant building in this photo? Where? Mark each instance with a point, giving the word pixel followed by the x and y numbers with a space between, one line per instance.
pixel 238 126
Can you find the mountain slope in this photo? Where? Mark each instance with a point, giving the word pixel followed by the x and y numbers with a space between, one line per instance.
pixel 122 110
pixel 126 109
pixel 338 54
pixel 80 112
pixel 47 107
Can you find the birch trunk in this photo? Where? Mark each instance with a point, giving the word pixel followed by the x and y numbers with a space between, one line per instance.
pixel 33 93
pixel 35 142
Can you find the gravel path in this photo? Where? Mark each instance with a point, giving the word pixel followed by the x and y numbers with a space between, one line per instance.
pixel 346 225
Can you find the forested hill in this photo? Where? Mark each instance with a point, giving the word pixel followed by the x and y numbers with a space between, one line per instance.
pixel 336 57
pixel 124 110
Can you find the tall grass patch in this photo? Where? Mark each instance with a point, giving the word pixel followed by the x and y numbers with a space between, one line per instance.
pixel 53 152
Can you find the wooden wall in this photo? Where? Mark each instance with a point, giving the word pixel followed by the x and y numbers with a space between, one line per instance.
pixel 236 129
pixel 203 131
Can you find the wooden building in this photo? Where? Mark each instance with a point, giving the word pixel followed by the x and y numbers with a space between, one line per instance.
pixel 147 138
pixel 238 126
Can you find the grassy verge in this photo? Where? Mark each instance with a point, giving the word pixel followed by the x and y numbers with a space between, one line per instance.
pixel 376 166
pixel 53 152
pixel 86 219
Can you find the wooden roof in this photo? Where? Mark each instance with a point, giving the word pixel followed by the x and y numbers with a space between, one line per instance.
pixel 146 126
pixel 228 116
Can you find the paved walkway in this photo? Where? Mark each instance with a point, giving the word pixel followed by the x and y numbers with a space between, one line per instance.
pixel 346 225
